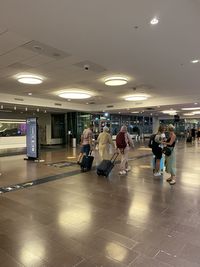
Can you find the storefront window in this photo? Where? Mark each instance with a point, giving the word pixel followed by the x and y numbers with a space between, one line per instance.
pixel 12 127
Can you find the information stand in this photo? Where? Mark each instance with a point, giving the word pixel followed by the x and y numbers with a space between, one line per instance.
pixel 32 139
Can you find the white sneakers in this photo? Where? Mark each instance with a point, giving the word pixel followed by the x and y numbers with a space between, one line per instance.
pixel 157 174
pixel 122 172
pixel 128 169
pixel 125 171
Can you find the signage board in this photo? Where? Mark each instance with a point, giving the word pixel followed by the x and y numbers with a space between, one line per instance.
pixel 32 138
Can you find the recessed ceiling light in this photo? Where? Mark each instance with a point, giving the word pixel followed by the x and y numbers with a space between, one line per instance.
pixel 196 108
pixel 195 103
pixel 74 95
pixel 136 97
pixel 29 79
pixel 188 114
pixel 116 81
pixel 194 61
pixel 196 112
pixel 170 111
pixel 154 21
pixel 29 93
pixel 135 112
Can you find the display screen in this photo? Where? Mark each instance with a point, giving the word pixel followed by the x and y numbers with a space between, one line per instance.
pixel 32 138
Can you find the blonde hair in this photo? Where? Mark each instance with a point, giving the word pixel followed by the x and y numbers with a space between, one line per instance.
pixel 123 129
pixel 161 128
pixel 105 129
pixel 171 127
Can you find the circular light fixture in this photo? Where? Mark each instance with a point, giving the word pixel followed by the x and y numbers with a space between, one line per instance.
pixel 194 61
pixel 29 79
pixel 136 97
pixel 154 21
pixel 115 81
pixel 74 95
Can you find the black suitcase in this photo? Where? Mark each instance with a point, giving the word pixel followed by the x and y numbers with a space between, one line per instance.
pixel 86 163
pixel 189 139
pixel 106 166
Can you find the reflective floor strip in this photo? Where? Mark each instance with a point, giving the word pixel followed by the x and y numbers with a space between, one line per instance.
pixel 11 188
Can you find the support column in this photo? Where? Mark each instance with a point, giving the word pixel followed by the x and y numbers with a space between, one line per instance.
pixel 155 124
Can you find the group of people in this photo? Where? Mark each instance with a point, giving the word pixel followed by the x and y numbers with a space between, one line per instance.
pixel 123 144
pixel 193 133
pixel 161 142
pixel 104 141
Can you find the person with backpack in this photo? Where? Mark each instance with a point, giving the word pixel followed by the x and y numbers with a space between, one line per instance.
pixel 157 147
pixel 123 144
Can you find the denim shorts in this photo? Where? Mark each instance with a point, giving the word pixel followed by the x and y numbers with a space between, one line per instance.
pixel 85 149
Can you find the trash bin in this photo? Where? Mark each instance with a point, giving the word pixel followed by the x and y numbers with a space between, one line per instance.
pixel 73 142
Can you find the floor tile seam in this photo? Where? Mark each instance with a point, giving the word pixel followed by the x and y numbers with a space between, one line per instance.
pixel 119 235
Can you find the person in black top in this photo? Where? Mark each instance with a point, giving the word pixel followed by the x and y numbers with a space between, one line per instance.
pixel 193 133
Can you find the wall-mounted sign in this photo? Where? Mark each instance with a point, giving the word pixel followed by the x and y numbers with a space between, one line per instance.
pixel 32 138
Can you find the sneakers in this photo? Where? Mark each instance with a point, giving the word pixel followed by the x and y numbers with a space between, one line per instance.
pixel 157 174
pixel 172 182
pixel 169 179
pixel 122 172
pixel 128 169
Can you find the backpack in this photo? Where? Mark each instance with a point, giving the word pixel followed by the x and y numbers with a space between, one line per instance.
pixel 120 140
pixel 152 142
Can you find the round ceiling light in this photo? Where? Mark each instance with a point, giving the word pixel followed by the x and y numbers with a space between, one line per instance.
pixel 74 95
pixel 154 21
pixel 115 81
pixel 194 61
pixel 29 79
pixel 136 97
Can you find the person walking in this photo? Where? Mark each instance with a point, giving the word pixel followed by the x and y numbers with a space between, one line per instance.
pixel 86 143
pixel 123 143
pixel 104 141
pixel 171 159
pixel 198 135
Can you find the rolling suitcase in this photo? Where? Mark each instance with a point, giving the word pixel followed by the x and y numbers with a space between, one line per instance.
pixel 189 139
pixel 86 163
pixel 106 166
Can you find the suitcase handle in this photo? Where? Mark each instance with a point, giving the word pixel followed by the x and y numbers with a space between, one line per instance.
pixel 114 157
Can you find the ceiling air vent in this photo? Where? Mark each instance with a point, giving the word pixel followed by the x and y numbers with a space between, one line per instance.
pixel 110 106
pixel 19 99
pixel 57 104
pixel 150 109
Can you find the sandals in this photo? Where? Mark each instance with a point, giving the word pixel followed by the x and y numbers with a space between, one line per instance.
pixel 169 179
pixel 172 182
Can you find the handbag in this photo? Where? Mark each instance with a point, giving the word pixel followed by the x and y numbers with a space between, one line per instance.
pixel 167 151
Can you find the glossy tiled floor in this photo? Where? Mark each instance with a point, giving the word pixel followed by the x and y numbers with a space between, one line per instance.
pixel 84 220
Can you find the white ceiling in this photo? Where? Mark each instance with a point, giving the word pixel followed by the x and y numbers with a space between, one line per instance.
pixel 111 37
